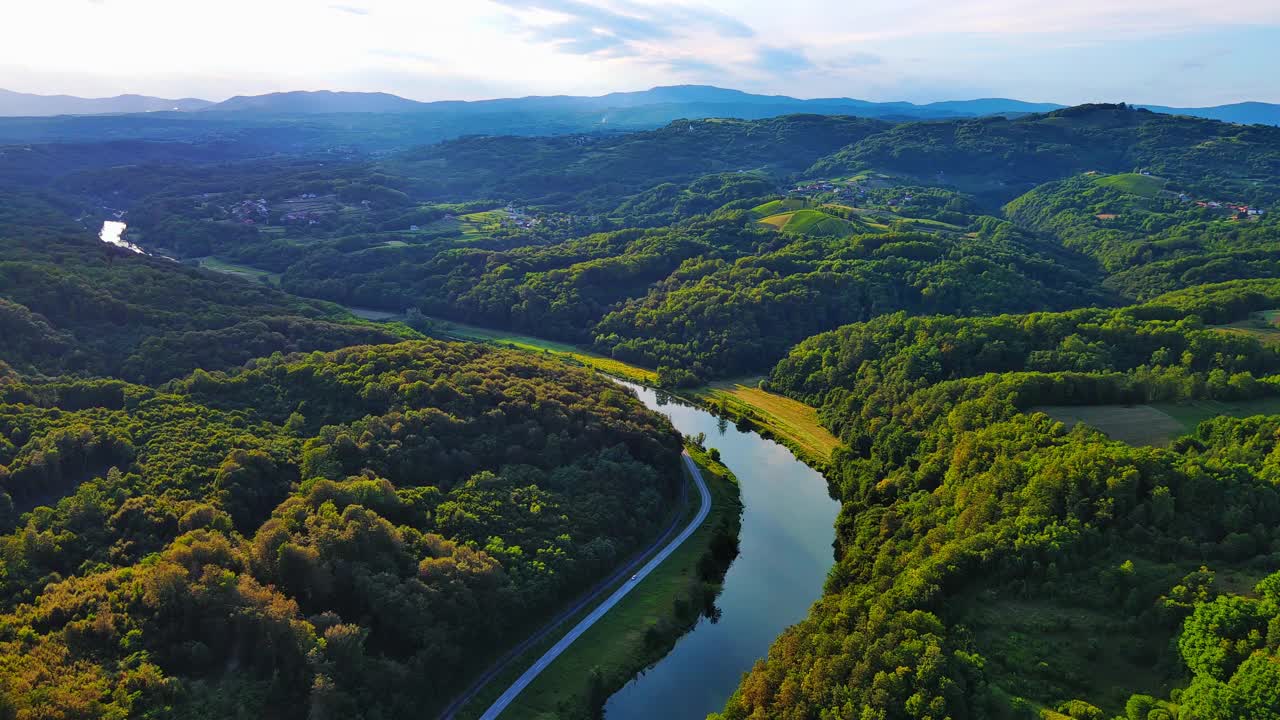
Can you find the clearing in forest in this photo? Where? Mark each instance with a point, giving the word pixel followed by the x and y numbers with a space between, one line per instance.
pixel 1156 424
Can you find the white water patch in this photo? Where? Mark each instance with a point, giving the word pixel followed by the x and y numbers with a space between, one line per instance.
pixel 113 233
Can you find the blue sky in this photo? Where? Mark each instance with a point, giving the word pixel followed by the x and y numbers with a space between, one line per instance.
pixel 1174 52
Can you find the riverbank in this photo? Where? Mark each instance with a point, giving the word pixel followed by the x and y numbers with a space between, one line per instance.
pixel 460 331
pixel 774 416
pixel 642 627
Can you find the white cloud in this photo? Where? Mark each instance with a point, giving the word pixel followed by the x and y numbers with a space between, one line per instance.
pixel 429 49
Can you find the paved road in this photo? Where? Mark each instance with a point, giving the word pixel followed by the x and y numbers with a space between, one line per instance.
pixel 584 600
pixel 523 681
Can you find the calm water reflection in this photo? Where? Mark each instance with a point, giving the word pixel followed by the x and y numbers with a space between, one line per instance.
pixel 787 528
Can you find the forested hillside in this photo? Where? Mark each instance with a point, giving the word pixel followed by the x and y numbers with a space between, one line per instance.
pixel 699 247
pixel 301 535
pixel 993 563
pixel 72 304
pixel 998 156
pixel 310 535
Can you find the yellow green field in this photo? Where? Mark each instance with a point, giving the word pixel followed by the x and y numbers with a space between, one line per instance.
pixel 775 207
pixel 811 222
pixel 627 371
pixel 469 227
pixel 791 422
pixel 1133 183
pixel 618 646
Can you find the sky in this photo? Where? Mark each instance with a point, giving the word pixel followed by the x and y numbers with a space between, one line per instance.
pixel 1169 52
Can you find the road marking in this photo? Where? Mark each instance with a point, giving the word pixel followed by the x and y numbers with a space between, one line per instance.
pixel 563 644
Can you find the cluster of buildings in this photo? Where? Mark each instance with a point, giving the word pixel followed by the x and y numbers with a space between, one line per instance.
pixel 521 218
pixel 844 192
pixel 1230 207
pixel 250 212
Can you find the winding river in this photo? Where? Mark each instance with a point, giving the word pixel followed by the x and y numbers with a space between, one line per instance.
pixel 787 529
pixel 112 233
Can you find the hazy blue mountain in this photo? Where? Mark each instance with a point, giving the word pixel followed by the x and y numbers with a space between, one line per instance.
pixel 652 107
pixel 670 102
pixel 318 102
pixel 1246 113
pixel 16 104
pixel 989 106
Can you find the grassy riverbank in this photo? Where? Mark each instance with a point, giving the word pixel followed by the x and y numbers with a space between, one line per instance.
pixel 642 628
pixel 780 418
pixel 788 421
pixel 459 331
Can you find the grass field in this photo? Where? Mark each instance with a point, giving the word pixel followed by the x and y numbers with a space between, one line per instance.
pixel 470 227
pixel 242 271
pixel 1037 648
pixel 460 331
pixel 1133 183
pixel 1262 325
pixel 619 646
pixel 1132 424
pixel 775 207
pixel 1159 423
pixel 1190 414
pixel 793 423
pixel 371 314
pixel 812 222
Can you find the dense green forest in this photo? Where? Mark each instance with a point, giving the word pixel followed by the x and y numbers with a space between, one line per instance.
pixel 994 563
pixel 223 494
pixel 310 534
pixel 204 515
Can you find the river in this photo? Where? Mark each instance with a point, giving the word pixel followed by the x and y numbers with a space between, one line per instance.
pixel 787 528
pixel 113 233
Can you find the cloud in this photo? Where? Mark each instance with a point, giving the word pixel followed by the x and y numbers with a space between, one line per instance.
pixel 854 60
pixel 350 9
pixel 690 66
pixel 782 60
pixel 619 28
pixel 1202 61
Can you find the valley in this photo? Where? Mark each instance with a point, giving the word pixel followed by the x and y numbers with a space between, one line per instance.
pixel 986 407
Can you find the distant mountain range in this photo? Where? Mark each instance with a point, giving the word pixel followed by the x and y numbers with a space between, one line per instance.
pixel 16 104
pixel 622 109
pixel 697 99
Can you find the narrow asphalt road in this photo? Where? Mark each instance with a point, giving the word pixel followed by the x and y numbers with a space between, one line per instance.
pixel 583 601
pixel 524 680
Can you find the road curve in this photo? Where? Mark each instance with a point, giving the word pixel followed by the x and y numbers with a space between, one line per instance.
pixel 523 681
pixel 585 600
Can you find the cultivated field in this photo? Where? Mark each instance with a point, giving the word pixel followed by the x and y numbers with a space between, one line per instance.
pixel 1159 423
pixel 242 271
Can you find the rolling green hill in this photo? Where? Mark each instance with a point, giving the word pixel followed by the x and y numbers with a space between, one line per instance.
pixel 812 222
pixel 775 207
pixel 1133 183
pixel 1000 158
